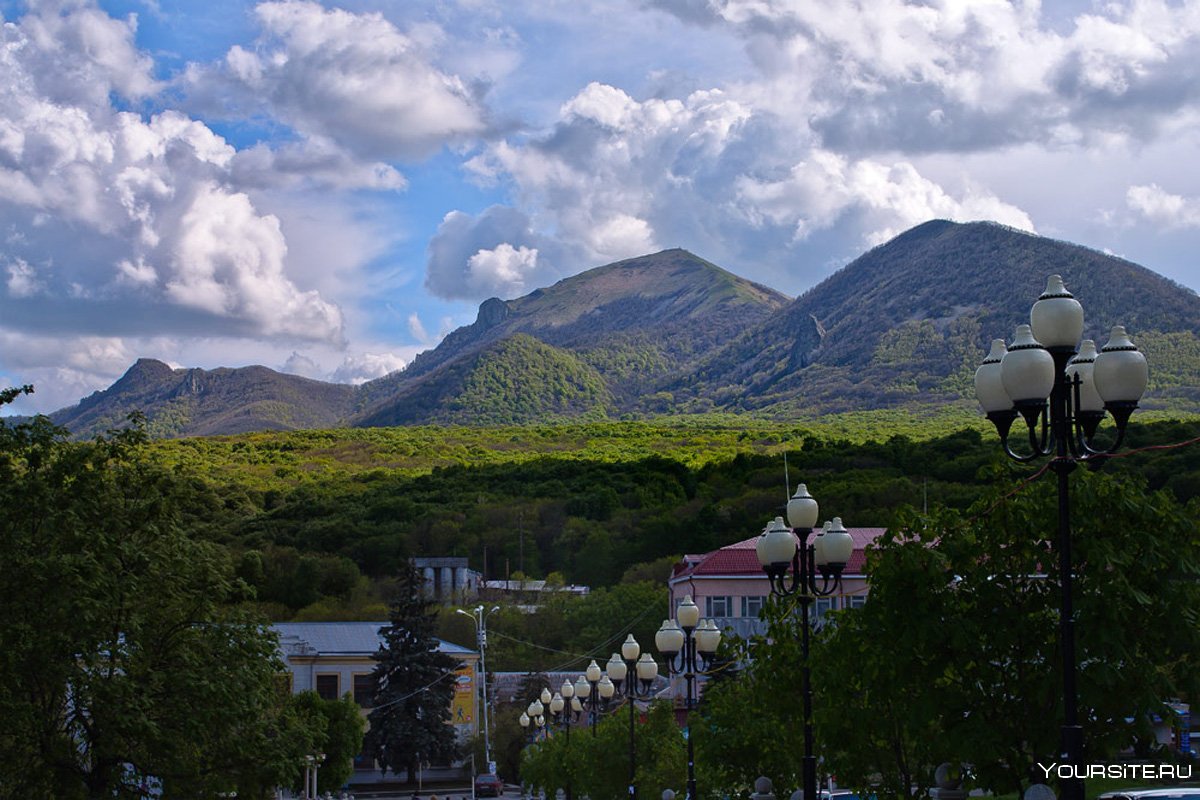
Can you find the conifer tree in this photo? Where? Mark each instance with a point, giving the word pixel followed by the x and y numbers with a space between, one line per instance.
pixel 410 721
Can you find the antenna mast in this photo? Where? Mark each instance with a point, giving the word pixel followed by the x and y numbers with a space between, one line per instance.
pixel 787 484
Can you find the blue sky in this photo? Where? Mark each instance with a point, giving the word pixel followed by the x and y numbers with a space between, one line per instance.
pixel 329 188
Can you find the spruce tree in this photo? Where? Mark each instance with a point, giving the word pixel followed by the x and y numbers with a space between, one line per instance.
pixel 410 721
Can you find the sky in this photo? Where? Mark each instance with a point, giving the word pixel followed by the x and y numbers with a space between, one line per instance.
pixel 329 188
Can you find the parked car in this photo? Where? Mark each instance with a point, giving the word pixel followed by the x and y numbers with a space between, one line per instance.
pixel 488 785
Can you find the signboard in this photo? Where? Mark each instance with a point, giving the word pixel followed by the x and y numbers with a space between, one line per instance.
pixel 462 707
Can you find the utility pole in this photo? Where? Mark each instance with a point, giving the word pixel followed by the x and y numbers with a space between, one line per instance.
pixel 479 615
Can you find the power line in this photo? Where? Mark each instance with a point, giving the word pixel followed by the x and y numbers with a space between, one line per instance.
pixel 1123 454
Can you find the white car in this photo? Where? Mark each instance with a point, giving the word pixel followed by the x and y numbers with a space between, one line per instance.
pixel 1168 793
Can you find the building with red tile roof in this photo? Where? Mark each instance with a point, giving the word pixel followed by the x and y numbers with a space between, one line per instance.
pixel 730 586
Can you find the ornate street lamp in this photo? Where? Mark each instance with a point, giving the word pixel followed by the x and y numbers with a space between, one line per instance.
pixel 645 670
pixel 563 709
pixel 827 555
pixel 1063 393
pixel 688 645
pixel 594 689
pixel 533 720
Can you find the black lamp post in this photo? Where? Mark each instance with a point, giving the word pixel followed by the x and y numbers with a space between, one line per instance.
pixel 594 689
pixel 688 644
pixel 777 549
pixel 1062 393
pixel 645 670
pixel 565 706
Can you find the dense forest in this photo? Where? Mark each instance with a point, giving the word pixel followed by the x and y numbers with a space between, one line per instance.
pixel 318 521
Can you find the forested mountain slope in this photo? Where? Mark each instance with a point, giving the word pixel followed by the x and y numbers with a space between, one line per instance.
pixel 901 327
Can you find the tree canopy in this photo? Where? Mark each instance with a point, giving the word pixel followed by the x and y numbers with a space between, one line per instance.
pixel 956 654
pixel 410 718
pixel 126 661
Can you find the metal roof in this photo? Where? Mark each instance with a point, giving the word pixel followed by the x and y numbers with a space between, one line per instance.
pixel 739 558
pixel 346 638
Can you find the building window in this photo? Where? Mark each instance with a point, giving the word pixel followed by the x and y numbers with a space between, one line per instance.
pixel 823 605
pixel 328 686
pixel 856 601
pixel 364 689
pixel 752 605
pixel 718 607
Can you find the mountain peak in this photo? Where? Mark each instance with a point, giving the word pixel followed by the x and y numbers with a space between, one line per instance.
pixel 908 321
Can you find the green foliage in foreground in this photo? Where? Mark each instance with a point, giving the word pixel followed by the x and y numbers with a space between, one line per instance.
pixel 126 658
pixel 955 656
pixel 337 727
pixel 597 766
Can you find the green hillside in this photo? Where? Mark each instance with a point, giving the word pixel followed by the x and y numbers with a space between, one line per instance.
pixel 906 323
pixel 902 327
pixel 592 502
pixel 198 402
pixel 515 381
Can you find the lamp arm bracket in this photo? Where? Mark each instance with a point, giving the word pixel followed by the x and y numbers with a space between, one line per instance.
pixel 826 589
pixel 1039 451
pixel 1087 451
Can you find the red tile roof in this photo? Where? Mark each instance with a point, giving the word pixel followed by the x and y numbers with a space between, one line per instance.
pixel 739 558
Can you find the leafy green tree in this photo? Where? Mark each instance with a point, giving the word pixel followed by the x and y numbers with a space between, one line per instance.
pixel 750 724
pixel 888 733
pixel 962 623
pixel 125 658
pixel 508 741
pixel 410 720
pixel 597 766
pixel 339 727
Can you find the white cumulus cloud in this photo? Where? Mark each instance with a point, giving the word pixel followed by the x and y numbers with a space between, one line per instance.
pixel 361 368
pixel 617 177
pixel 1163 208
pixel 139 213
pixel 349 78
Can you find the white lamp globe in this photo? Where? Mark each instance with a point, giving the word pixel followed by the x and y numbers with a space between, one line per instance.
pixel 1027 369
pixel 630 648
pixel 615 668
pixel 989 387
pixel 776 545
pixel 1056 317
pixel 802 509
pixel 708 637
pixel 688 613
pixel 1083 365
pixel 647 668
pixel 1120 372
pixel 669 638
pixel 839 544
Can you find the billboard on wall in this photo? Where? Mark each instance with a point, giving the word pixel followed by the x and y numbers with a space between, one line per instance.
pixel 462 707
